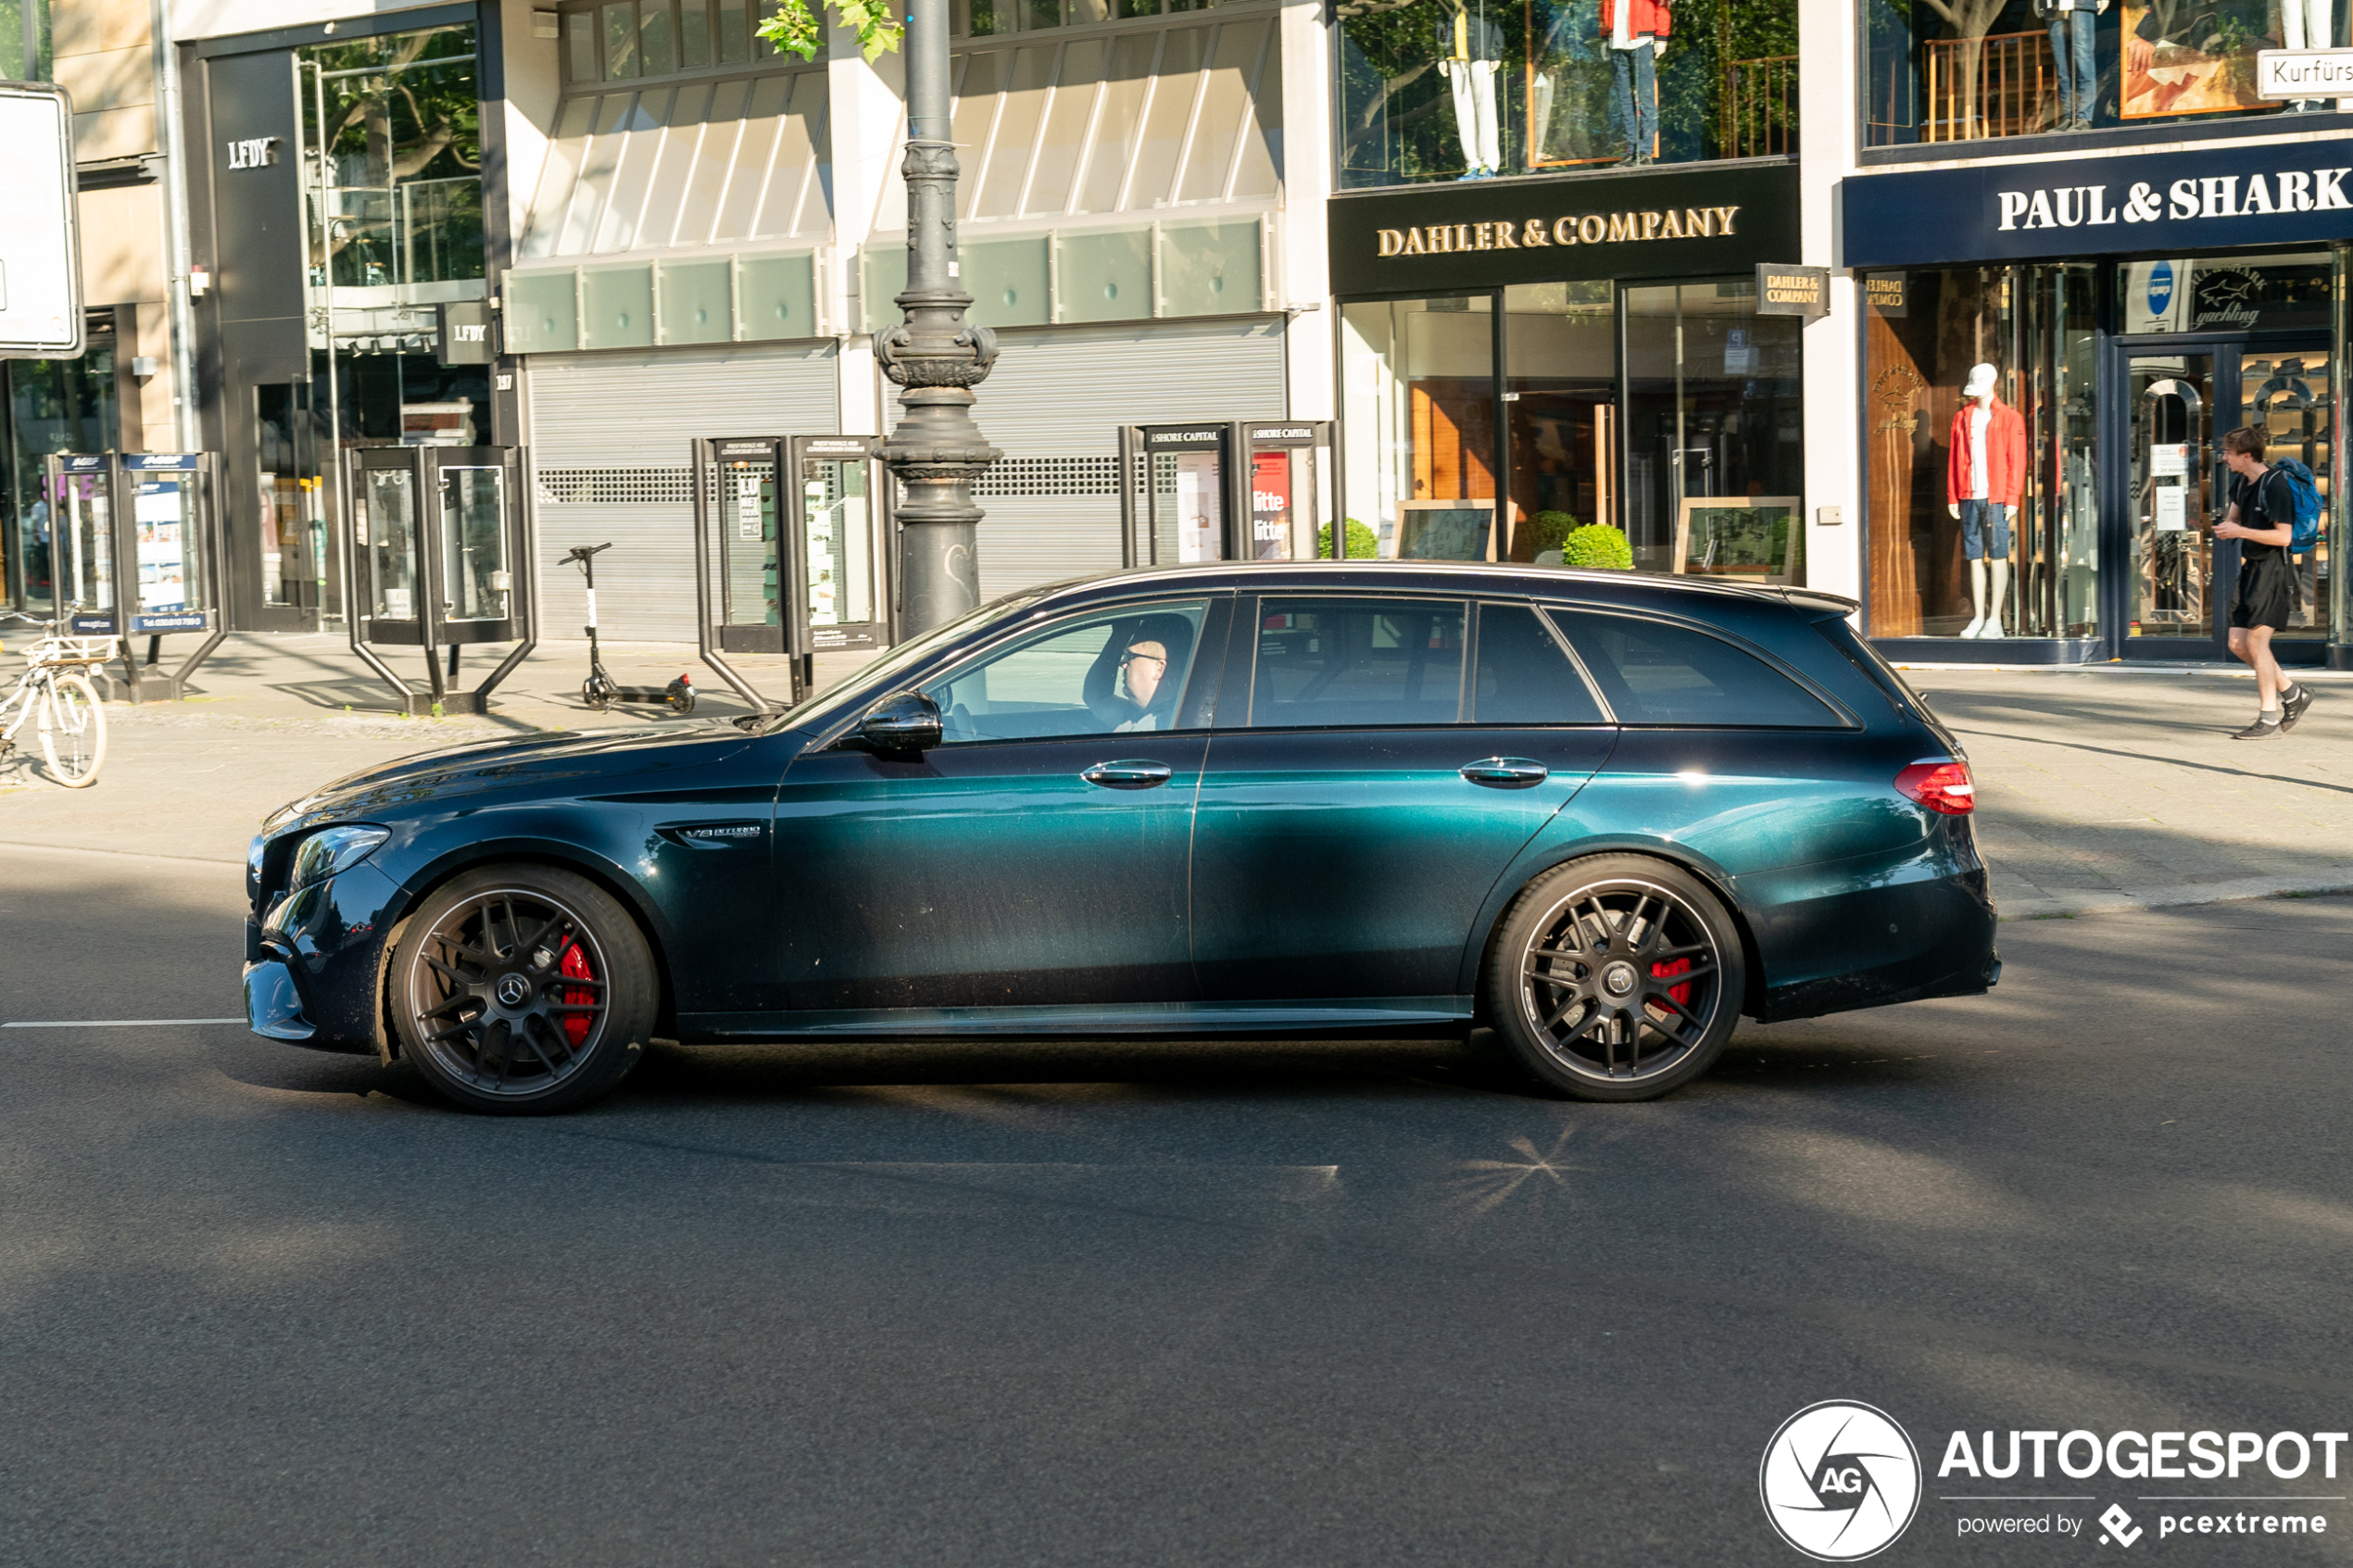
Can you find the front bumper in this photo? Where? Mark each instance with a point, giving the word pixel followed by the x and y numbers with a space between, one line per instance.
pixel 314 964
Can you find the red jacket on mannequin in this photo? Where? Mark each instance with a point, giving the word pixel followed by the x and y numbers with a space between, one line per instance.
pixel 2004 454
pixel 1647 18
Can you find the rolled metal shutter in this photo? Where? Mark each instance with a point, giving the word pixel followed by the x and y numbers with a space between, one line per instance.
pixel 609 449
pixel 1054 404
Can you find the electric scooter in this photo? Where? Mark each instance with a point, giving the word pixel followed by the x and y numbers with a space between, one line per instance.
pixel 599 691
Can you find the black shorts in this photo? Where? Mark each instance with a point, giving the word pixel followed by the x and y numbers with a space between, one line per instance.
pixel 2267 593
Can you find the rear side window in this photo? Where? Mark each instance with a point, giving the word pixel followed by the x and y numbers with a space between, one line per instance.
pixel 1655 673
pixel 1524 676
pixel 1337 661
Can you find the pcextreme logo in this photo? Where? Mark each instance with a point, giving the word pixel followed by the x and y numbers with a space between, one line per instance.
pixel 1840 1481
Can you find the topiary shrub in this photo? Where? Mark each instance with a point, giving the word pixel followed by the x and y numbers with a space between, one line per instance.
pixel 1363 542
pixel 1600 546
pixel 1549 531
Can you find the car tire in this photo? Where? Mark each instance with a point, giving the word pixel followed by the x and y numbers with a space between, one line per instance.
pixel 1617 977
pixel 523 990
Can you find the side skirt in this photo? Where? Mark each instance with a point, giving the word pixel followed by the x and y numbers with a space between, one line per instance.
pixel 1385 1017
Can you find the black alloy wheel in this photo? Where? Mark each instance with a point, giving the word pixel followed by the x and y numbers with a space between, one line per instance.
pixel 1617 978
pixel 523 989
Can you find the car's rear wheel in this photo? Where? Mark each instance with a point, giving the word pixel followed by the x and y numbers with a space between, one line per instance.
pixel 523 989
pixel 1617 977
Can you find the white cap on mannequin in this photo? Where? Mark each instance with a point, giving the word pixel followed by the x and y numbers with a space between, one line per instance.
pixel 1980 382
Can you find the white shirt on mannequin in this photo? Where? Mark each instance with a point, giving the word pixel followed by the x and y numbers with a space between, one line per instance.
pixel 1979 418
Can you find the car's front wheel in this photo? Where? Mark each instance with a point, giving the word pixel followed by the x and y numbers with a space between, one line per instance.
pixel 1617 977
pixel 523 989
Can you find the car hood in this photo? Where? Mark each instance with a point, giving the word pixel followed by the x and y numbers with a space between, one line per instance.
pixel 432 777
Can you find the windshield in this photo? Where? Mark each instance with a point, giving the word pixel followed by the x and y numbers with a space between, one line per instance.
pixel 819 710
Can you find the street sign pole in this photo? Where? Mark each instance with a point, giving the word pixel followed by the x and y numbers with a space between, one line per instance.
pixel 936 451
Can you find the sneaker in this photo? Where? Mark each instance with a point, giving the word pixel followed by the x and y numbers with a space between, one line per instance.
pixel 2262 729
pixel 2293 709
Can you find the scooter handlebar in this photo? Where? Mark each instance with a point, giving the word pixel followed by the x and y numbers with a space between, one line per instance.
pixel 580 553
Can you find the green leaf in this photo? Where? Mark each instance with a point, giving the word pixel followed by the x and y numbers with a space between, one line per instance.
pixel 794 28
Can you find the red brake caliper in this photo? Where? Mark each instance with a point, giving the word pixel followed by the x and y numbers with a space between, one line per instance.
pixel 575 967
pixel 1682 994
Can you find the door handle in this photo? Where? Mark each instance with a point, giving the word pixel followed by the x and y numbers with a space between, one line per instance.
pixel 1128 775
pixel 1507 773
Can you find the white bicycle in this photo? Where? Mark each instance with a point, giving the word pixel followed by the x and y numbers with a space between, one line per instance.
pixel 55 692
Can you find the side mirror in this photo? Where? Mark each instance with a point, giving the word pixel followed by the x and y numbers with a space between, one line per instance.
pixel 902 722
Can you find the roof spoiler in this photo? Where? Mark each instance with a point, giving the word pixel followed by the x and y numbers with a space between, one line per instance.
pixel 1814 598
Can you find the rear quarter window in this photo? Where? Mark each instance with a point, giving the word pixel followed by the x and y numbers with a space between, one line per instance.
pixel 1654 673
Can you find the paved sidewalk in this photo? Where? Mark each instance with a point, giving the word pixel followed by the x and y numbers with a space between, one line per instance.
pixel 2099 788
pixel 2103 789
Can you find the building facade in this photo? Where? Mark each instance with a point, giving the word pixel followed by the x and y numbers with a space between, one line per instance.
pixel 1509 246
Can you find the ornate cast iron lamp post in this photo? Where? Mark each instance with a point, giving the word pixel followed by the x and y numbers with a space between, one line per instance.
pixel 934 356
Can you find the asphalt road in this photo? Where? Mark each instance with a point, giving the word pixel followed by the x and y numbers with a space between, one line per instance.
pixel 1086 1305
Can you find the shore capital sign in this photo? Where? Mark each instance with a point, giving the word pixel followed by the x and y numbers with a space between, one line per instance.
pixel 1793 291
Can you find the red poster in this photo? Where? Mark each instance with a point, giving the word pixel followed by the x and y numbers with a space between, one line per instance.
pixel 1270 504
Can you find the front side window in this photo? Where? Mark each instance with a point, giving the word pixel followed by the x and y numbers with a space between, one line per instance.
pixel 1470 89
pixel 1657 673
pixel 1110 673
pixel 1334 661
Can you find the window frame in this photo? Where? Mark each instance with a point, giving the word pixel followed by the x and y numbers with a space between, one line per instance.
pixel 1197 700
pixel 1844 718
pixel 1249 607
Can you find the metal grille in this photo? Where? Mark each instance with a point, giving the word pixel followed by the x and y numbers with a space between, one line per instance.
pixel 1050 476
pixel 610 487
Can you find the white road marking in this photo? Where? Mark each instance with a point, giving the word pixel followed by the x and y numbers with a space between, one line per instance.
pixel 122 1023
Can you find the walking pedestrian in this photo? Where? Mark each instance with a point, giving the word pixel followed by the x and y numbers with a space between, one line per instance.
pixel 2261 516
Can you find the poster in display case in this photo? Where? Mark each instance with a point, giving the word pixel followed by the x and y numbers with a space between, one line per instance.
pixel 1460 530
pixel 1753 538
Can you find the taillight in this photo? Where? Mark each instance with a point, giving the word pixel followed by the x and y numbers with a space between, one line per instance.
pixel 1940 787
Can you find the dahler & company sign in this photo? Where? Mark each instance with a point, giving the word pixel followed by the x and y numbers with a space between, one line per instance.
pixel 1689 222
pixel 2177 202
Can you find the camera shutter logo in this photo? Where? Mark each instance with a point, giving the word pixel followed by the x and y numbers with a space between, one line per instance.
pixel 1841 1481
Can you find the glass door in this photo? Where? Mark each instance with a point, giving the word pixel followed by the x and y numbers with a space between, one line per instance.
pixel 2170 399
pixel 2288 394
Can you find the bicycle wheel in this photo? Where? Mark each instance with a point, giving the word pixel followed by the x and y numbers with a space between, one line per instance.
pixel 73 730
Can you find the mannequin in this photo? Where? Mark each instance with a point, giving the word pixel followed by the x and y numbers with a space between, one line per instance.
pixel 2307 24
pixel 1470 51
pixel 1984 471
pixel 2072 24
pixel 1569 39
pixel 1636 31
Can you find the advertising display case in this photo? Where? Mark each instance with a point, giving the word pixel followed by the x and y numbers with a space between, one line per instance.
pixel 438 556
pixel 138 555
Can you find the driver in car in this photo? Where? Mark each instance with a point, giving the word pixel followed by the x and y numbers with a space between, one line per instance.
pixel 1143 670
pixel 1151 672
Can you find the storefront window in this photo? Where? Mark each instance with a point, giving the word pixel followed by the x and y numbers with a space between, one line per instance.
pixel 1713 427
pixel 2279 381
pixel 2010 548
pixel 1667 412
pixel 1419 379
pixel 53 406
pixel 1470 89
pixel 1958 70
pixel 1563 343
pixel 392 185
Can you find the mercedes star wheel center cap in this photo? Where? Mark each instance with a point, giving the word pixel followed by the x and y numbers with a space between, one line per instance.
pixel 513 991
pixel 1619 979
